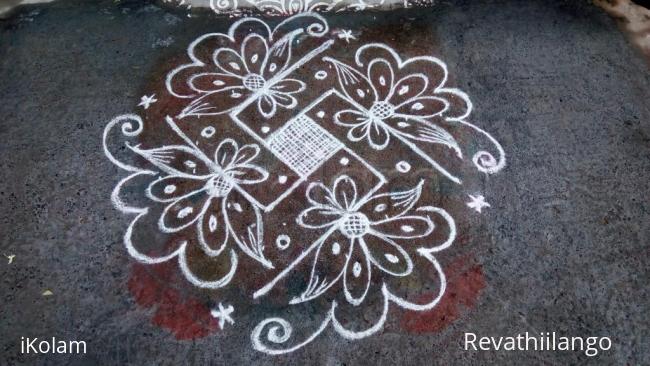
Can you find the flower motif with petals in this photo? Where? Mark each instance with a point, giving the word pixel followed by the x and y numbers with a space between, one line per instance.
pixel 202 192
pixel 362 230
pixel 397 98
pixel 234 75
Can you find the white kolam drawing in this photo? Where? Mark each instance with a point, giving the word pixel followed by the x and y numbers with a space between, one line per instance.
pixel 214 192
pixel 239 8
pixel 290 7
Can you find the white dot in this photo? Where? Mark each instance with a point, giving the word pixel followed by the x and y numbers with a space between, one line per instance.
pixel 266 129
pixel 403 167
pixel 336 248
pixel 344 161
pixel 320 114
pixel 391 258
pixel 417 106
pixel 380 207
pixel 320 75
pixel 208 132
pixel 234 66
pixel 356 269
pixel 403 90
pixel 190 164
pixel 212 223
pixel 170 189
pixel 282 179
pixel 283 241
pixel 403 124
pixel 407 228
pixel 361 93
pixel 185 212
pixel 237 207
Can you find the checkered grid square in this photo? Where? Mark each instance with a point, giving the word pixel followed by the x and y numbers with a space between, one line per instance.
pixel 303 145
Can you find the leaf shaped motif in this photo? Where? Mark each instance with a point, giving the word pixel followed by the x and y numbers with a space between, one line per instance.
pixel 392 204
pixel 353 83
pixel 176 160
pixel 421 130
pixel 244 220
pixel 438 135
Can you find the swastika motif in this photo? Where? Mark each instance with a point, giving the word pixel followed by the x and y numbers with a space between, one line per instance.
pixel 313 173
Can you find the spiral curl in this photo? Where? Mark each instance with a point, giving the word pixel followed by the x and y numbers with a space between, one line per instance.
pixel 223 4
pixel 486 162
pixel 273 334
pixel 317 27
pixel 128 130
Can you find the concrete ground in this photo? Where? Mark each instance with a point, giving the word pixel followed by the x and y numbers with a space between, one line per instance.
pixel 563 247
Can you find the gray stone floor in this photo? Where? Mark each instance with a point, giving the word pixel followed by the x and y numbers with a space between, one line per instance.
pixel 563 248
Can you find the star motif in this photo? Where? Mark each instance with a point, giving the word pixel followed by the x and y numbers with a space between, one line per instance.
pixel 346 34
pixel 477 203
pixel 147 100
pixel 223 314
pixel 10 258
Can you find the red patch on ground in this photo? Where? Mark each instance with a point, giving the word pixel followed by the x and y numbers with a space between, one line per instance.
pixel 185 316
pixel 465 281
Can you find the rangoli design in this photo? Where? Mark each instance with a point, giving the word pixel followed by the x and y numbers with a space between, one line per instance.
pixel 290 7
pixel 234 164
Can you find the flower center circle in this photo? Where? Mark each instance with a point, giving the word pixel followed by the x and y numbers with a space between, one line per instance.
pixel 382 110
pixel 254 82
pixel 354 225
pixel 218 186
